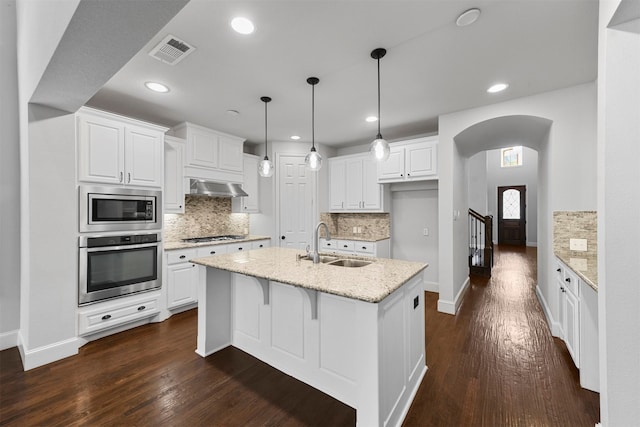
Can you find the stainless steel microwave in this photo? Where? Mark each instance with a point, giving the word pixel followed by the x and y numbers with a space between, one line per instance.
pixel 119 209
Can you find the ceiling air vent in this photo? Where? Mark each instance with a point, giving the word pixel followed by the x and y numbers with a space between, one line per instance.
pixel 171 50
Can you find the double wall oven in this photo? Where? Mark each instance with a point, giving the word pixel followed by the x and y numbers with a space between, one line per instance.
pixel 120 249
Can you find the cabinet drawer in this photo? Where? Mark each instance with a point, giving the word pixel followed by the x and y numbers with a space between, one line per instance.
pixel 182 255
pixel 345 245
pixel 259 244
pixel 329 245
pixel 237 247
pixel 365 248
pixel 106 317
pixel 571 281
pixel 212 250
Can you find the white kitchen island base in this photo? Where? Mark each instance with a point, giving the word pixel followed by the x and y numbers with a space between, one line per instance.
pixel 371 356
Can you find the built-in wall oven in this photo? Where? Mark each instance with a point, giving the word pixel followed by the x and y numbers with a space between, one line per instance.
pixel 118 209
pixel 116 265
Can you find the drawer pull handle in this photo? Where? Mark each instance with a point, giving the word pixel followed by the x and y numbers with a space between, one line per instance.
pixel 142 307
pixel 106 317
pixel 212 252
pixel 345 246
pixel 364 247
pixel 568 280
pixel 559 270
pixel 239 249
pixel 183 256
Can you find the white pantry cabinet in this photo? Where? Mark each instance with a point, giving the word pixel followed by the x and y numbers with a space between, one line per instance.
pixel 211 154
pixel 117 150
pixel 249 204
pixel 353 184
pixel 174 183
pixel 411 160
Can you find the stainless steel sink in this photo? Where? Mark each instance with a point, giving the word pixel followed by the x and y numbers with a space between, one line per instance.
pixel 349 263
pixel 323 258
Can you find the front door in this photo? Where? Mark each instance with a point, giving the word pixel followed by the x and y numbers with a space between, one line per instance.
pixel 512 221
pixel 296 201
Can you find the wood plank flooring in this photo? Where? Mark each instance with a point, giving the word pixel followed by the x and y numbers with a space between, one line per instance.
pixel 494 364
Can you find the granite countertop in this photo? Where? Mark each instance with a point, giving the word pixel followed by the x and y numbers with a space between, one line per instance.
pixel 173 245
pixel 371 283
pixel 357 237
pixel 585 266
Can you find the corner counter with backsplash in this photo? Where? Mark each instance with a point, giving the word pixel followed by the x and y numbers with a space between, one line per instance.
pixel 362 234
pixel 575 246
pixel 216 230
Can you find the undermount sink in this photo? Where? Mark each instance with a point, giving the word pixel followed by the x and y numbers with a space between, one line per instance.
pixel 349 263
pixel 323 258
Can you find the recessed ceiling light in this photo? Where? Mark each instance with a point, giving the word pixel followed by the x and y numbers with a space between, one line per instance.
pixel 371 119
pixel 157 87
pixel 242 25
pixel 233 112
pixel 468 17
pixel 498 87
pixel 295 137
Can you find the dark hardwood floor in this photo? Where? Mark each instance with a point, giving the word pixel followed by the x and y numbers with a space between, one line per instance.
pixel 494 364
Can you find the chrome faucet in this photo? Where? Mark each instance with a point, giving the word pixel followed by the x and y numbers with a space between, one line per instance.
pixel 314 245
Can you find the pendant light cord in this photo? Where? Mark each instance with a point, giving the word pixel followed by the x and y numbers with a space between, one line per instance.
pixel 379 135
pixel 313 115
pixel 266 150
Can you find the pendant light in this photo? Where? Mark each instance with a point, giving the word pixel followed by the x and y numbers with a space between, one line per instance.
pixel 313 159
pixel 379 148
pixel 265 168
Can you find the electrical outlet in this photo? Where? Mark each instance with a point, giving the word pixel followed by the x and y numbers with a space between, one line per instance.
pixel 355 230
pixel 359 230
pixel 425 231
pixel 578 245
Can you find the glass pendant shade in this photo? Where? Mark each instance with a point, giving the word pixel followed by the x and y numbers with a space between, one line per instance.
pixel 313 160
pixel 265 168
pixel 379 149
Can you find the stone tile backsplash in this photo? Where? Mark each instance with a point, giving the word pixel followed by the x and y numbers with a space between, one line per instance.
pixel 575 225
pixel 373 225
pixel 205 216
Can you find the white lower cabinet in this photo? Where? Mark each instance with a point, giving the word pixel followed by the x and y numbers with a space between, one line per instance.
pixel 182 278
pixel 379 249
pixel 113 313
pixel 569 310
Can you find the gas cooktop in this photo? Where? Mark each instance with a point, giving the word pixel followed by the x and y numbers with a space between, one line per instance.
pixel 214 238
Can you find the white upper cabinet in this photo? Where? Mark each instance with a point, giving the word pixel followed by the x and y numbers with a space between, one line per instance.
pixel 174 184
pixel 412 160
pixel 116 150
pixel 353 184
pixel 249 204
pixel 211 154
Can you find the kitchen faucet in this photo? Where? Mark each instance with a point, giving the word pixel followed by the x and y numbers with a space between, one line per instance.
pixel 314 245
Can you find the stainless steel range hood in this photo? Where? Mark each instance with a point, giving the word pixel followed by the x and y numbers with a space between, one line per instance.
pixel 201 187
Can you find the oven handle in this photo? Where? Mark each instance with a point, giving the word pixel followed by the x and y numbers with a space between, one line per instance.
pixel 121 247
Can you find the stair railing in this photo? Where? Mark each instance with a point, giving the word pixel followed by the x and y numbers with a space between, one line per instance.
pixel 480 243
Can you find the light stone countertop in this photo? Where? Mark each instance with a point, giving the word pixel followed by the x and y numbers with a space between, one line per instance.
pixel 586 267
pixel 357 237
pixel 371 283
pixel 173 245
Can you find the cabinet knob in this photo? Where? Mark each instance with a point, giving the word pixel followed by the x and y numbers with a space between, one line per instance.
pixel 180 206
pixel 408 174
pixel 240 248
pixel 345 246
pixel 283 237
pixel 142 307
pixel 559 270
pixel 106 317
pixel 261 246
pixel 401 174
pixel 212 252
pixel 364 247
pixel 568 280
pixel 183 256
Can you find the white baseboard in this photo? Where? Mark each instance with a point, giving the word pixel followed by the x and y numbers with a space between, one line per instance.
pixel 8 339
pixel 451 307
pixel 553 325
pixel 46 354
pixel 532 244
pixel 431 286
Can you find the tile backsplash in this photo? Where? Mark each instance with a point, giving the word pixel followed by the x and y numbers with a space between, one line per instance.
pixel 205 216
pixel 372 225
pixel 575 225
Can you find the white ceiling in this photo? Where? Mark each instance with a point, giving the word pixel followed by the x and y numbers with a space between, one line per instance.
pixel 432 66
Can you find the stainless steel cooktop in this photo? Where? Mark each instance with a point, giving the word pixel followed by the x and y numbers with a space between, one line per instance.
pixel 214 238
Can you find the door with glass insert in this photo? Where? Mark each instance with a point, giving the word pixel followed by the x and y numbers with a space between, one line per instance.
pixel 512 221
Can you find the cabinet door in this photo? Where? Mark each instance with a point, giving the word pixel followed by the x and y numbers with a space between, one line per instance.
pixel 371 190
pixel 143 157
pixel 230 154
pixel 202 148
pixel 572 326
pixel 182 283
pixel 420 160
pixel 337 180
pixel 561 307
pixel 353 185
pixel 100 150
pixel 393 168
pixel 173 176
pixel 251 182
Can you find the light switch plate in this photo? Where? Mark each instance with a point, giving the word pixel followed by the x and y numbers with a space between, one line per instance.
pixel 578 245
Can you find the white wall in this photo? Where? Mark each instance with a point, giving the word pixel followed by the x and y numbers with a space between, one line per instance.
pixel 411 213
pixel 477 183
pixel 9 180
pixel 618 213
pixel 527 175
pixel 572 111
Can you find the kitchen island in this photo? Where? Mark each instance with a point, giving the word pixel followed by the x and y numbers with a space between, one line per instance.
pixel 355 333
